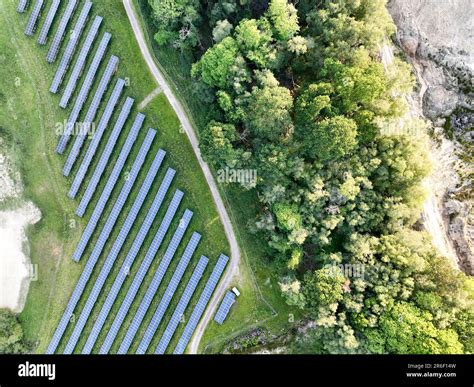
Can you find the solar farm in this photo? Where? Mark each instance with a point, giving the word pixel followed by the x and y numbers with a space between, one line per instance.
pixel 145 276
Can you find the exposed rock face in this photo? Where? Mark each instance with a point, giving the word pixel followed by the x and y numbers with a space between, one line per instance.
pixel 438 38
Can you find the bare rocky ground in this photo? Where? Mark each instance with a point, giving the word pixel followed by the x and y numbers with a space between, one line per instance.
pixel 437 37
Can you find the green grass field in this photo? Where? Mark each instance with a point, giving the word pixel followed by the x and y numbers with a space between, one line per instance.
pixel 28 118
pixel 261 304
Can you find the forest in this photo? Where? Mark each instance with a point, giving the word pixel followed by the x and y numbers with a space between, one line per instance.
pixel 299 93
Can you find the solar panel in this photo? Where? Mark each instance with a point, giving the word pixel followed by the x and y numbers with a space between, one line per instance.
pixel 80 62
pixel 117 167
pixel 124 113
pixel 58 37
pixel 224 308
pixel 31 25
pixel 104 197
pixel 47 23
pixel 201 304
pixel 164 303
pixel 114 251
pixel 129 260
pixel 81 98
pixel 90 115
pixel 105 233
pixel 22 4
pixel 71 47
pixel 182 305
pixel 145 265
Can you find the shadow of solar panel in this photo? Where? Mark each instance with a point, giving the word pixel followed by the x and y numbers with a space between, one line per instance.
pixel 83 93
pixel 22 4
pixel 201 304
pixel 104 158
pixel 104 235
pixel 182 305
pixel 32 21
pixel 104 197
pixel 90 115
pixel 129 260
pixel 224 307
pixel 74 38
pixel 164 303
pixel 145 265
pixel 114 251
pixel 80 62
pixel 58 37
pixel 43 36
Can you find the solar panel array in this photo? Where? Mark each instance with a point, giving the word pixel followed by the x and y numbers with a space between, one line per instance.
pixel 58 37
pixel 137 124
pixel 31 25
pixel 105 233
pixel 182 305
pixel 129 260
pixel 90 115
pixel 165 301
pixel 47 23
pixel 22 4
pixel 71 47
pixel 201 304
pixel 145 265
pixel 114 251
pixel 80 62
pixel 81 98
pixel 224 308
pixel 104 197
pixel 151 214
pixel 81 173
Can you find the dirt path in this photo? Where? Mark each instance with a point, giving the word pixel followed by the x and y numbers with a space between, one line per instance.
pixel 232 268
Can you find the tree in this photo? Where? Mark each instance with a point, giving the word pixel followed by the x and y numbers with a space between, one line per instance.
pixel 269 112
pixel 11 334
pixel 222 29
pixel 215 65
pixel 406 329
pixel 284 19
pixel 330 138
pixel 177 22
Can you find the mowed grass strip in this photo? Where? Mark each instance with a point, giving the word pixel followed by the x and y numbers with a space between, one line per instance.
pixel 31 116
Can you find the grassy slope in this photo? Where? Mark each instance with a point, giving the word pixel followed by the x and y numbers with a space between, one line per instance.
pixel 260 303
pixel 29 118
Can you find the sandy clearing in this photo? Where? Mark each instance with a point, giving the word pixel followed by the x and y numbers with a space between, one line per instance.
pixel 15 264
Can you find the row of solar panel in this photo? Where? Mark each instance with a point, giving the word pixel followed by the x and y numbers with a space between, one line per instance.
pixel 179 272
pixel 224 307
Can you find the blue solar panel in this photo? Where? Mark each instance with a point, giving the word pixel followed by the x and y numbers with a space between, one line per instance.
pixel 145 265
pixel 22 4
pixel 114 251
pixel 90 115
pixel 105 233
pixel 104 158
pixel 115 172
pixel 80 62
pixel 81 98
pixel 31 25
pixel 71 47
pixel 47 23
pixel 224 308
pixel 58 37
pixel 201 304
pixel 182 305
pixel 129 260
pixel 164 303
pixel 104 197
